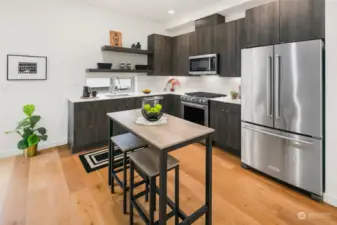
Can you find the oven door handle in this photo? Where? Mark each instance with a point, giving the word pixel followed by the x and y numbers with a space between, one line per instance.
pixel 194 105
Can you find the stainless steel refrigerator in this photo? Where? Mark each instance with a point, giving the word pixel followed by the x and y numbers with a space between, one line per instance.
pixel 282 113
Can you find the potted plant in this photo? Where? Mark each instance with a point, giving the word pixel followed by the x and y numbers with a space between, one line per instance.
pixel 30 135
pixel 234 94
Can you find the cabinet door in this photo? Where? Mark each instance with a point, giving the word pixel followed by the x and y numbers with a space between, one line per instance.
pixel 205 40
pixel 233 124
pixel 193 47
pixel 176 105
pixel 262 25
pixel 161 59
pixel 138 103
pixel 216 121
pixel 239 45
pixel 221 47
pixel 83 124
pixel 302 20
pixel 181 54
pixel 230 51
pixel 229 40
pixel 168 99
pixel 101 120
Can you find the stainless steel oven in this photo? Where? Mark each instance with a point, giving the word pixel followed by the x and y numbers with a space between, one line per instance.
pixel 204 65
pixel 195 112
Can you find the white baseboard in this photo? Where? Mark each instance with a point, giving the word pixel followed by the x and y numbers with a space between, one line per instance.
pixel 331 200
pixel 42 146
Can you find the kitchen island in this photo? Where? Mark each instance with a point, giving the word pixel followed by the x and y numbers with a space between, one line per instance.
pixel 176 134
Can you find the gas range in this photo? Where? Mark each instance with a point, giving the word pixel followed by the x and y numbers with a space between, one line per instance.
pixel 200 97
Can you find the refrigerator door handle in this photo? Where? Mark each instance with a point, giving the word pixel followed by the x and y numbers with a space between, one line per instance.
pixel 269 86
pixel 278 86
pixel 277 135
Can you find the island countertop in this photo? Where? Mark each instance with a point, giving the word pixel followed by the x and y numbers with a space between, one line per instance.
pixel 175 132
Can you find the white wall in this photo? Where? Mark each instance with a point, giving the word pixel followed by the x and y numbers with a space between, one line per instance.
pixel 331 104
pixel 70 34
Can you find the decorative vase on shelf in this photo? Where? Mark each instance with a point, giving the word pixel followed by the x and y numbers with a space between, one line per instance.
pixel 139 46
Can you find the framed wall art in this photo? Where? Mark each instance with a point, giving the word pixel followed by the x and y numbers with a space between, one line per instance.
pixel 115 38
pixel 23 67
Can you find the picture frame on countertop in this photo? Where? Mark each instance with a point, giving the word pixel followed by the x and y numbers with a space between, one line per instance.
pixel 26 68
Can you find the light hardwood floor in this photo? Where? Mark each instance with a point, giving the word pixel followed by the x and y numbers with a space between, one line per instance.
pixel 53 188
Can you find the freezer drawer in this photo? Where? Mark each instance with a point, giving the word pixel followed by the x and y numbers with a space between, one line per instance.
pixel 294 159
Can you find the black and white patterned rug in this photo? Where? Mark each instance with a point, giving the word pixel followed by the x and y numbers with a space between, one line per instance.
pixel 96 160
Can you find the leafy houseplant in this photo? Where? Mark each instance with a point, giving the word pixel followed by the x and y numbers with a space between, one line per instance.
pixel 234 94
pixel 30 135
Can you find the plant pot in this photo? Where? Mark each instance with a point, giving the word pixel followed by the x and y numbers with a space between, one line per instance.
pixel 30 151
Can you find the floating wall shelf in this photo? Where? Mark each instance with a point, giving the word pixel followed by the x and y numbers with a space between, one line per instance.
pixel 116 71
pixel 126 50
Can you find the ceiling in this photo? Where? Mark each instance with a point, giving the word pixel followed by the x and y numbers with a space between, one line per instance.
pixel 154 9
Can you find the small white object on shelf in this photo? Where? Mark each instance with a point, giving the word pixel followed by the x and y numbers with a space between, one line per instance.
pixel 142 121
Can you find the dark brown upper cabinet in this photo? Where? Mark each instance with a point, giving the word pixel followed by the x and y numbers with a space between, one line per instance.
pixel 262 25
pixel 202 41
pixel 160 62
pixel 229 40
pixel 209 21
pixel 285 21
pixel 193 48
pixel 302 20
pixel 181 53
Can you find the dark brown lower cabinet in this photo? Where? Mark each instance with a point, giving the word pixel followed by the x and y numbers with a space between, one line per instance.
pixel 172 105
pixel 225 118
pixel 88 124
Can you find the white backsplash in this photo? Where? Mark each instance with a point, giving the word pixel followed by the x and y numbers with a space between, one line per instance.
pixel 214 84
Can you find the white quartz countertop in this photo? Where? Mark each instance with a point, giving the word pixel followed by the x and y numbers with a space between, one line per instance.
pixel 227 99
pixel 108 96
pixel 101 97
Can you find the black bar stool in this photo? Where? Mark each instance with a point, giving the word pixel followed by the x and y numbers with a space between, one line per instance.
pixel 126 143
pixel 146 162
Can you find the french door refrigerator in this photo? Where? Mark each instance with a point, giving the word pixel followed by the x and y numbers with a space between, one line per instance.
pixel 282 113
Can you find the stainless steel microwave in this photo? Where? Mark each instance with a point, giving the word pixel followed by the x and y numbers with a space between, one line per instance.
pixel 204 65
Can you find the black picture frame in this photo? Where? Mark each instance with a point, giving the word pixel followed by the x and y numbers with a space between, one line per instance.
pixel 29 56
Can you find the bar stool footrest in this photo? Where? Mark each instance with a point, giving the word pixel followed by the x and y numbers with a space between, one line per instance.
pixel 171 204
pixel 142 214
pixel 121 183
pixel 194 216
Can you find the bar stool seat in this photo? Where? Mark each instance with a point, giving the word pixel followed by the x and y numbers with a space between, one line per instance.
pixel 146 161
pixel 126 143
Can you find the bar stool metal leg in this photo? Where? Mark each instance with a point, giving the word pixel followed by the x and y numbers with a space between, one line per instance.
pixel 147 191
pixel 155 199
pixel 131 191
pixel 176 195
pixel 109 161
pixel 112 154
pixel 109 148
pixel 124 183
pixel 152 199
